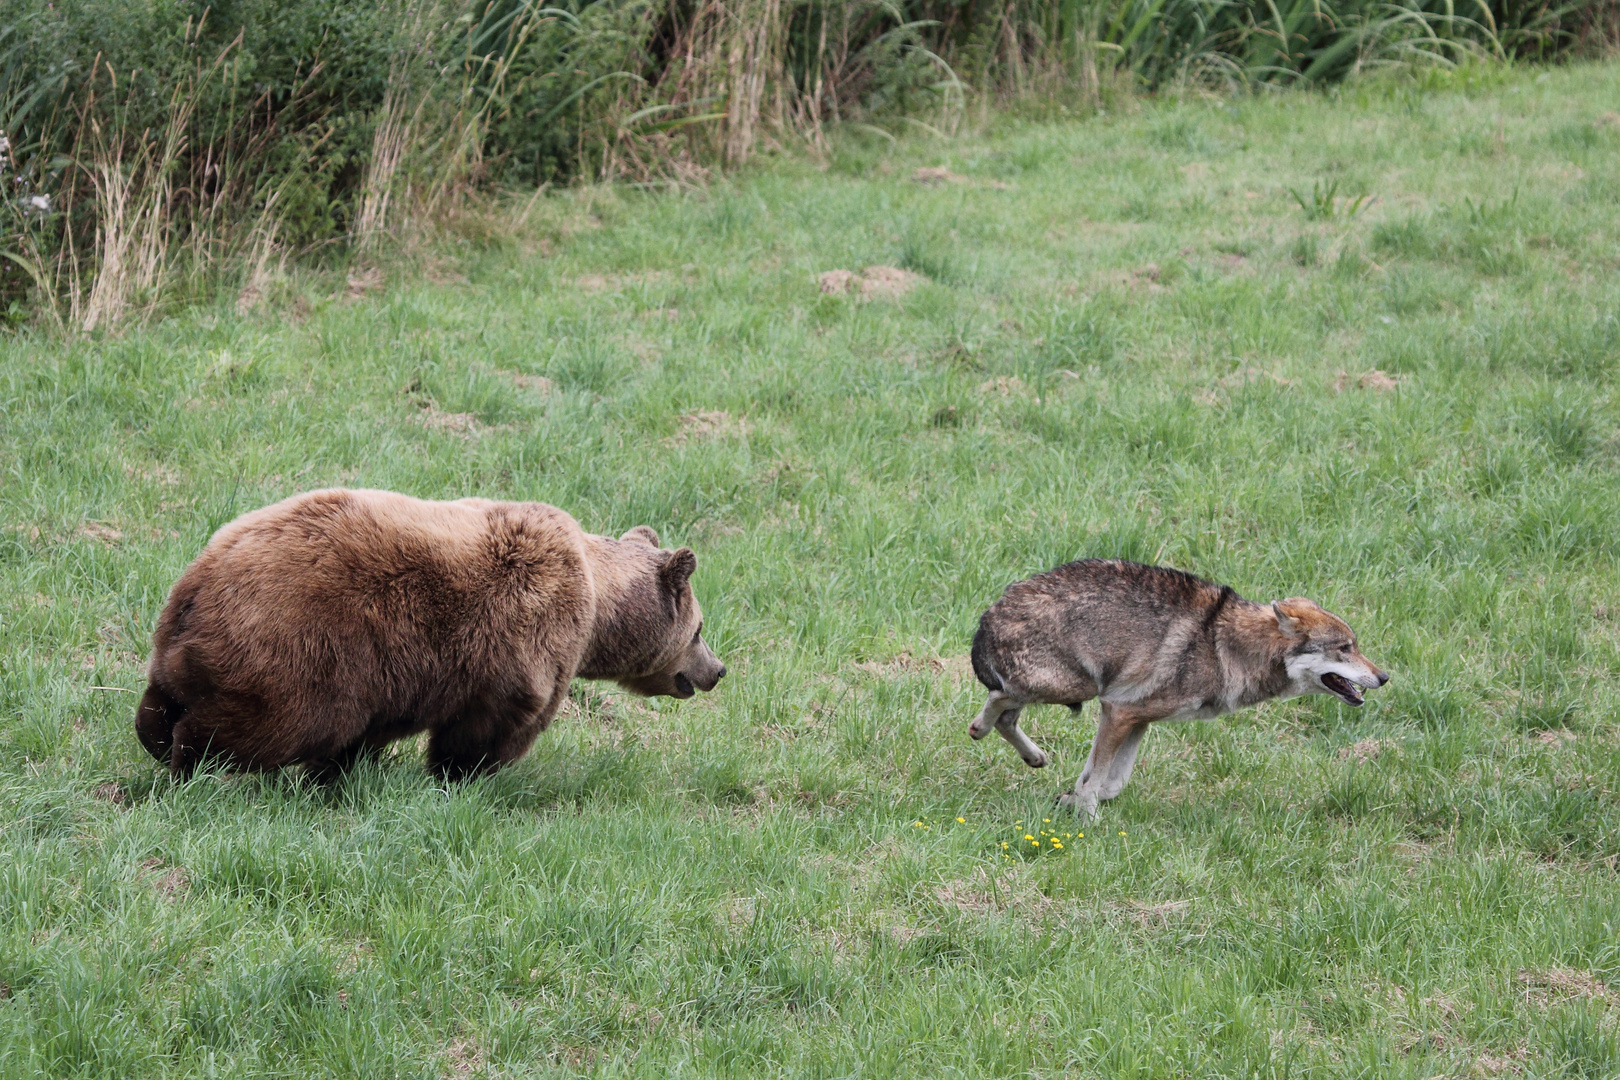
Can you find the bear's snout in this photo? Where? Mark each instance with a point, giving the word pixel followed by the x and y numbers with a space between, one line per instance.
pixel 709 683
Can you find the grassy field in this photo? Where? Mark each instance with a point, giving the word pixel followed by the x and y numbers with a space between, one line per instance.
pixel 1131 338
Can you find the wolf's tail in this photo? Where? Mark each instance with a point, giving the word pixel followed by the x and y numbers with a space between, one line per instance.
pixel 155 720
pixel 981 660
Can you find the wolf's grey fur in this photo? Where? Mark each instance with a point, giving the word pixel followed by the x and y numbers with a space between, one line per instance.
pixel 1151 643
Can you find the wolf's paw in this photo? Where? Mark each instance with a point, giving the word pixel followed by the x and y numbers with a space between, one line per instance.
pixel 1083 805
pixel 1037 760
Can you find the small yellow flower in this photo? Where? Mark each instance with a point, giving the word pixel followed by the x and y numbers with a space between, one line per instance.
pixel 1081 835
pixel 1047 820
pixel 961 821
pixel 1122 832
pixel 916 824
pixel 1057 845
pixel 1028 837
pixel 1037 843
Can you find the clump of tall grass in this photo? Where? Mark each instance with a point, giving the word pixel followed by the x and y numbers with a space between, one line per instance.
pixel 146 145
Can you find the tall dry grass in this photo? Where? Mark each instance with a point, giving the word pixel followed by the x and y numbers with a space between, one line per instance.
pixel 159 158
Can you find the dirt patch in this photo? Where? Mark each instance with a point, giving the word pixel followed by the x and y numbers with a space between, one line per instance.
pixel 595 283
pixel 1555 738
pixel 363 280
pixel 838 282
pixel 1377 380
pixel 1363 751
pixel 1197 170
pixel 1510 1064
pixel 903 934
pixel 534 384
pixel 706 426
pixel 113 793
pixel 464 1058
pixel 1245 375
pixel 154 472
pixel 984 894
pixel 739 911
pixel 1609 120
pixel 875 282
pixel 1542 988
pixel 101 533
pixel 937 174
pixel 459 424
pixel 1161 914
pixel 889 282
pixel 171 882
pixel 906 664
pixel 1003 386
pixel 1232 263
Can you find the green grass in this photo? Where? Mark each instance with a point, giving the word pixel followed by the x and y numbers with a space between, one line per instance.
pixel 1129 345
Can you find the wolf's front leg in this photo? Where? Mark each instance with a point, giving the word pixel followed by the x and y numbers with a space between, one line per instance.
pixel 1113 756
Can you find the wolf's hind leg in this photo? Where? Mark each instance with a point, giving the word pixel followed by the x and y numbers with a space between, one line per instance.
pixel 1001 714
pixel 1007 727
pixel 986 721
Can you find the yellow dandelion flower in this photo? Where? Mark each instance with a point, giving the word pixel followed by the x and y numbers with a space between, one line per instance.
pixel 1037 843
pixel 1028 837
pixel 1047 820
pixel 1057 845
pixel 1122 832
pixel 1081 835
pixel 961 821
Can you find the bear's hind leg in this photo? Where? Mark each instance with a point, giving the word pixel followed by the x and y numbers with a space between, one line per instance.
pixel 329 770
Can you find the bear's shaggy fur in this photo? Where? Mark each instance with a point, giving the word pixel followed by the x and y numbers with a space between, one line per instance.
pixel 337 621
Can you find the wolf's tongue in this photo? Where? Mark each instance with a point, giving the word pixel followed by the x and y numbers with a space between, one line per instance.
pixel 1343 687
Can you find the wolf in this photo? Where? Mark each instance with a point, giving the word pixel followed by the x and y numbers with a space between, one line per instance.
pixel 1151 643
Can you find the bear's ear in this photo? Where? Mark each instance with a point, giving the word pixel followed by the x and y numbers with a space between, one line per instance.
pixel 644 533
pixel 677 570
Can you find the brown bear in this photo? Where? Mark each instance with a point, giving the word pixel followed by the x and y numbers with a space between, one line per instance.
pixel 337 621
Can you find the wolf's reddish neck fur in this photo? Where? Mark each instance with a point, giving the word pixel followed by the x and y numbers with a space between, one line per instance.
pixel 1253 649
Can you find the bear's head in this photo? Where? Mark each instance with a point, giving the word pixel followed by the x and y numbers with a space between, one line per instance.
pixel 649 627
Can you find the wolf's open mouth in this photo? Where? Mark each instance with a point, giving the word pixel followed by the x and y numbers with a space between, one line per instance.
pixel 683 686
pixel 1343 687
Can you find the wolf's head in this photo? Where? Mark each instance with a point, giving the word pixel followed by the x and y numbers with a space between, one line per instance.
pixel 1322 656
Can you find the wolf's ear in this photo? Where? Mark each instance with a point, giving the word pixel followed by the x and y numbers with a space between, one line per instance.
pixel 677 569
pixel 1289 624
pixel 644 533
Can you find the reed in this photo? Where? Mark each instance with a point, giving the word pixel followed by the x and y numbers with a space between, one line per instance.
pixel 150 144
